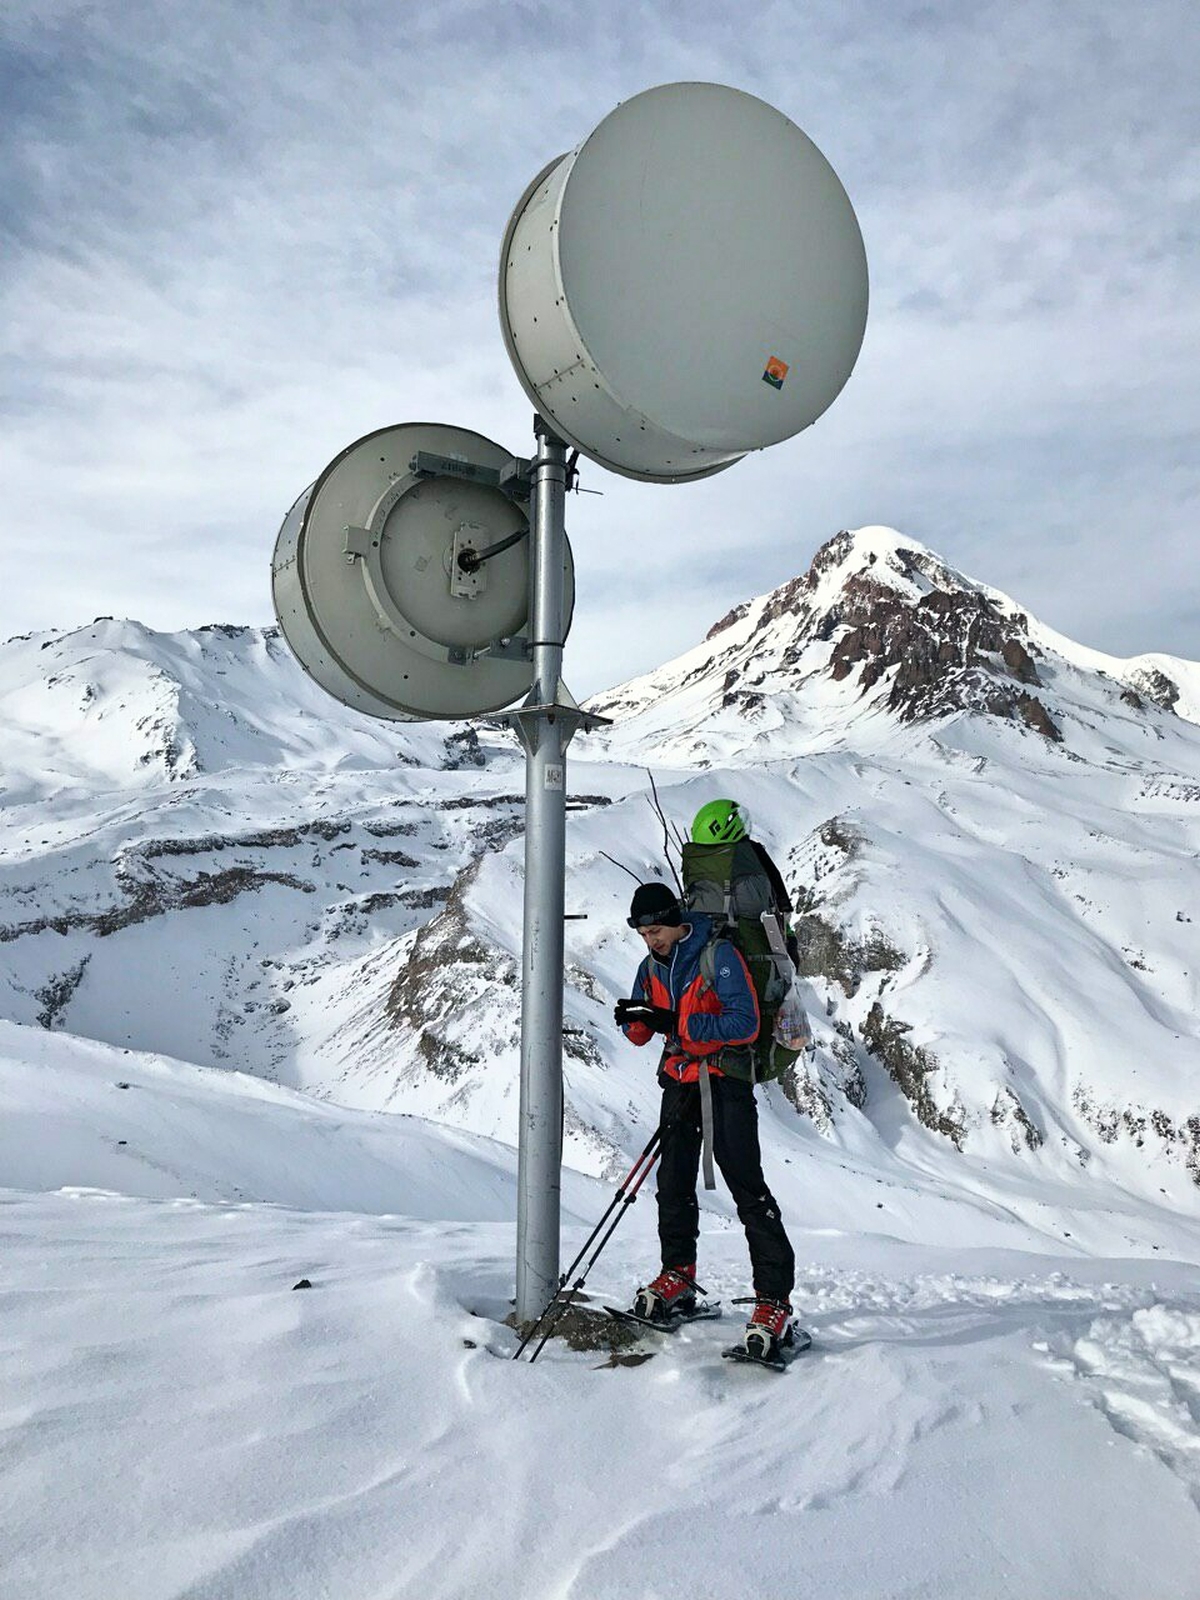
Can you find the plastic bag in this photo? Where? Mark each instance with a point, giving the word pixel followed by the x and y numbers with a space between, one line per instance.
pixel 792 1031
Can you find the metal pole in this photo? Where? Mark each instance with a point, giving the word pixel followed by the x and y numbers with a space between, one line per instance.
pixel 546 728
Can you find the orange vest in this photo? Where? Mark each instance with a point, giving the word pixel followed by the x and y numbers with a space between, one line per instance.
pixel 681 1053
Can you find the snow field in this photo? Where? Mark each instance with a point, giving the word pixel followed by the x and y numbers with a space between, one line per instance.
pixel 178 1422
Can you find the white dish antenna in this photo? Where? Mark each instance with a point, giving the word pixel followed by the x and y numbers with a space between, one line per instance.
pixel 378 583
pixel 688 285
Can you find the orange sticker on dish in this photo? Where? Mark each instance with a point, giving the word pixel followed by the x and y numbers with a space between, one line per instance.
pixel 776 372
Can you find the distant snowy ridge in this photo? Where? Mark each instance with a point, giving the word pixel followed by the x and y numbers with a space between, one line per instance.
pixel 992 841
pixel 116 705
pixel 898 630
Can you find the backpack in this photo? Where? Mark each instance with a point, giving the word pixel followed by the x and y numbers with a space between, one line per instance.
pixel 728 883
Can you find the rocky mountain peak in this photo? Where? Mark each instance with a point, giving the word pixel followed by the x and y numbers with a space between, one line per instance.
pixel 896 613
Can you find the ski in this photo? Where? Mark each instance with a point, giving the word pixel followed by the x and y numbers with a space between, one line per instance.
pixel 704 1310
pixel 780 1362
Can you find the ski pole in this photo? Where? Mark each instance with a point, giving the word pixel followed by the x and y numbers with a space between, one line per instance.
pixel 566 1301
pixel 655 1140
pixel 650 1154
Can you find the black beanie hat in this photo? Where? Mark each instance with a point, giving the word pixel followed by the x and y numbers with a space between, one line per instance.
pixel 654 903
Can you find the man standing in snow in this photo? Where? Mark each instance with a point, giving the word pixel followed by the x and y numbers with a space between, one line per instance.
pixel 701 1104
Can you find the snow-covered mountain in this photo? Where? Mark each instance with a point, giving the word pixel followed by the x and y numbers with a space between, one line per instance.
pixel 258 1031
pixel 117 706
pixel 991 834
pixel 879 630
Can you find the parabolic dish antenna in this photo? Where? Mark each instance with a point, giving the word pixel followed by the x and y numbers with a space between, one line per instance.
pixel 377 583
pixel 688 285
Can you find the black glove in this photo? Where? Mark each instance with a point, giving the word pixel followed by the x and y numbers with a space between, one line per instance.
pixel 657 1018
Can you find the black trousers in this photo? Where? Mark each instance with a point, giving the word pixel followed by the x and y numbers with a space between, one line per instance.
pixel 736 1150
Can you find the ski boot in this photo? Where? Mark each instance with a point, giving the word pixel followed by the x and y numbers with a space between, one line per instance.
pixel 770 1332
pixel 669 1298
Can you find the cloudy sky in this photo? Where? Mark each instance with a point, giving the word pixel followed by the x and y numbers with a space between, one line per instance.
pixel 236 236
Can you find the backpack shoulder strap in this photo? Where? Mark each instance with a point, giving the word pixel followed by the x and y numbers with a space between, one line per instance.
pixel 708 959
pixel 708 963
pixel 779 892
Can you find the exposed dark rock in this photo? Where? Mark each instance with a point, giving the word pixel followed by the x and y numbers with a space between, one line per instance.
pixel 804 1084
pixel 909 1066
pixel 1156 687
pixel 1007 1110
pixel 579 978
pixel 727 621
pixel 177 756
pixel 579 1045
pixel 1109 1122
pixel 265 839
pixel 582 1328
pixel 1034 715
pixel 837 834
pixel 57 995
pixel 494 835
pixel 432 988
pixel 948 648
pixel 155 898
pixel 464 750
pixel 1019 662
pixel 416 899
pixel 390 858
pixel 469 802
pixel 944 651
pixel 446 1061
pixel 826 952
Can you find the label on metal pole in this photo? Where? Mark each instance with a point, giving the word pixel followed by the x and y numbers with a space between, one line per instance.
pixel 554 777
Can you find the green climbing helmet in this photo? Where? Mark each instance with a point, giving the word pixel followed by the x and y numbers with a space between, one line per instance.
pixel 720 822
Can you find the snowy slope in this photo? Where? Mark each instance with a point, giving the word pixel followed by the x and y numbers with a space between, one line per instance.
pixel 177 1420
pixel 85 1115
pixel 117 706
pixel 997 902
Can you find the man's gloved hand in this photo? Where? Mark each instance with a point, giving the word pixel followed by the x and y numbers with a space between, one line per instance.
pixel 661 1020
pixel 657 1018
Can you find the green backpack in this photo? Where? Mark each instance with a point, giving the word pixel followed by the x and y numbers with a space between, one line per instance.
pixel 728 883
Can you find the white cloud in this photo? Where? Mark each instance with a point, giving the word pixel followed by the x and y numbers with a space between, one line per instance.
pixel 244 235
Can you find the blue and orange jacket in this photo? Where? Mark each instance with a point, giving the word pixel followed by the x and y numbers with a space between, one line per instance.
pixel 709 1019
